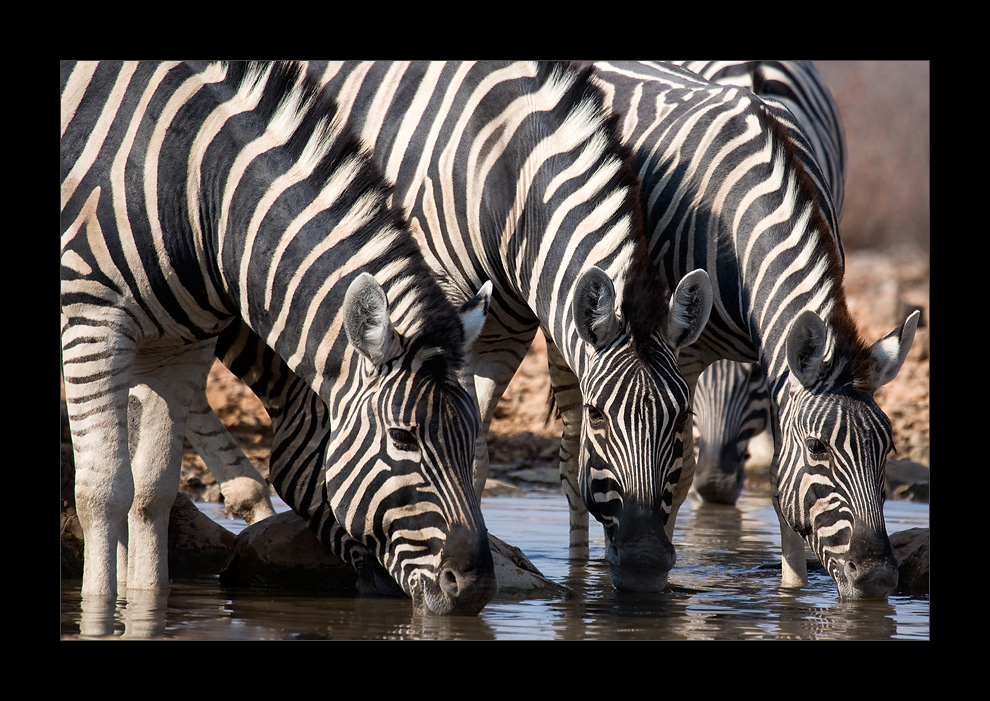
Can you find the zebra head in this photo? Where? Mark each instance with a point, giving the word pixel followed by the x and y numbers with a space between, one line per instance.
pixel 831 449
pixel 731 405
pixel 630 453
pixel 398 463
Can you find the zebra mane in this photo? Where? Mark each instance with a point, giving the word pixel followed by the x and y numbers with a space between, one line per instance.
pixel 850 354
pixel 645 293
pixel 290 94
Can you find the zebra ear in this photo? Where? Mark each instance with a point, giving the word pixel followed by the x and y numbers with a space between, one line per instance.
pixel 806 348
pixel 887 355
pixel 594 308
pixel 690 307
pixel 474 313
pixel 366 320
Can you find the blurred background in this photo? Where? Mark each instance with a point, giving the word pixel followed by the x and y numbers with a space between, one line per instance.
pixel 885 108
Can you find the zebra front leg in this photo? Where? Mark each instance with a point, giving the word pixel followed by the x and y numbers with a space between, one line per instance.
pixel 480 468
pixel 165 382
pixel 793 561
pixel 492 370
pixel 245 491
pixel 686 478
pixel 691 368
pixel 95 368
pixel 567 397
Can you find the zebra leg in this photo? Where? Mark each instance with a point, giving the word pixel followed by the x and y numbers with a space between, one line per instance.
pixel 691 369
pixel 245 491
pixel 567 397
pixel 95 366
pixel 793 561
pixel 492 370
pixel 165 383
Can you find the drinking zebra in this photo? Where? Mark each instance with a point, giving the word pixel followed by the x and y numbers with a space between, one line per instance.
pixel 731 184
pixel 512 172
pixel 197 193
pixel 731 406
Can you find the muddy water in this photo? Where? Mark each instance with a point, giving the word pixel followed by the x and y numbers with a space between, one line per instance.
pixel 724 587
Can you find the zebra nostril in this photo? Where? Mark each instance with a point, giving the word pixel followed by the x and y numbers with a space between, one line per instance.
pixel 449 582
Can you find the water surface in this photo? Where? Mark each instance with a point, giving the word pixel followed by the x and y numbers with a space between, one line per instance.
pixel 724 587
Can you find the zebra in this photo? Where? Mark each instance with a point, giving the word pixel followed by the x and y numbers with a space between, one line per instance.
pixel 730 184
pixel 731 406
pixel 512 172
pixel 195 193
pixel 721 440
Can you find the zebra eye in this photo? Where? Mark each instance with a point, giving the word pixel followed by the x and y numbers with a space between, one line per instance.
pixel 403 439
pixel 817 449
pixel 682 420
pixel 595 418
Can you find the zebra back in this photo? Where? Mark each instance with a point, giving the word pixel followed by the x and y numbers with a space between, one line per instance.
pixel 801 89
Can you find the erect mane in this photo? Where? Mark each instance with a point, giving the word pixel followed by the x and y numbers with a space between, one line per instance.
pixel 849 349
pixel 645 294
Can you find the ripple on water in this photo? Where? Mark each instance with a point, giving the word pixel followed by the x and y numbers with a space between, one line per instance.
pixel 724 587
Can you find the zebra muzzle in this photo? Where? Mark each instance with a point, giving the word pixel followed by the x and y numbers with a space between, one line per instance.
pixel 868 570
pixel 465 581
pixel 640 556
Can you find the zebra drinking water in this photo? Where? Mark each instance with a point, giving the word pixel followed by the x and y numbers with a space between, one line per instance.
pixel 512 172
pixel 196 193
pixel 731 184
pixel 731 404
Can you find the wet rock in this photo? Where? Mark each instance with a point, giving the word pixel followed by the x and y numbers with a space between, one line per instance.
pixel 907 479
pixel 517 576
pixel 501 488
pixel 282 552
pixel 911 548
pixel 197 545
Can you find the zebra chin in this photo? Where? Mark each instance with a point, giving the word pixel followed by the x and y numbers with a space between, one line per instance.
pixel 868 570
pixel 465 581
pixel 639 555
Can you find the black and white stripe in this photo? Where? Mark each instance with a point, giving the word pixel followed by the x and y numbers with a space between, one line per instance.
pixel 801 89
pixel 721 440
pixel 512 172
pixel 731 184
pixel 731 406
pixel 197 193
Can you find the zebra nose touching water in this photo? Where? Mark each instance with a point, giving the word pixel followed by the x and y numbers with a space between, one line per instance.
pixel 197 194
pixel 731 406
